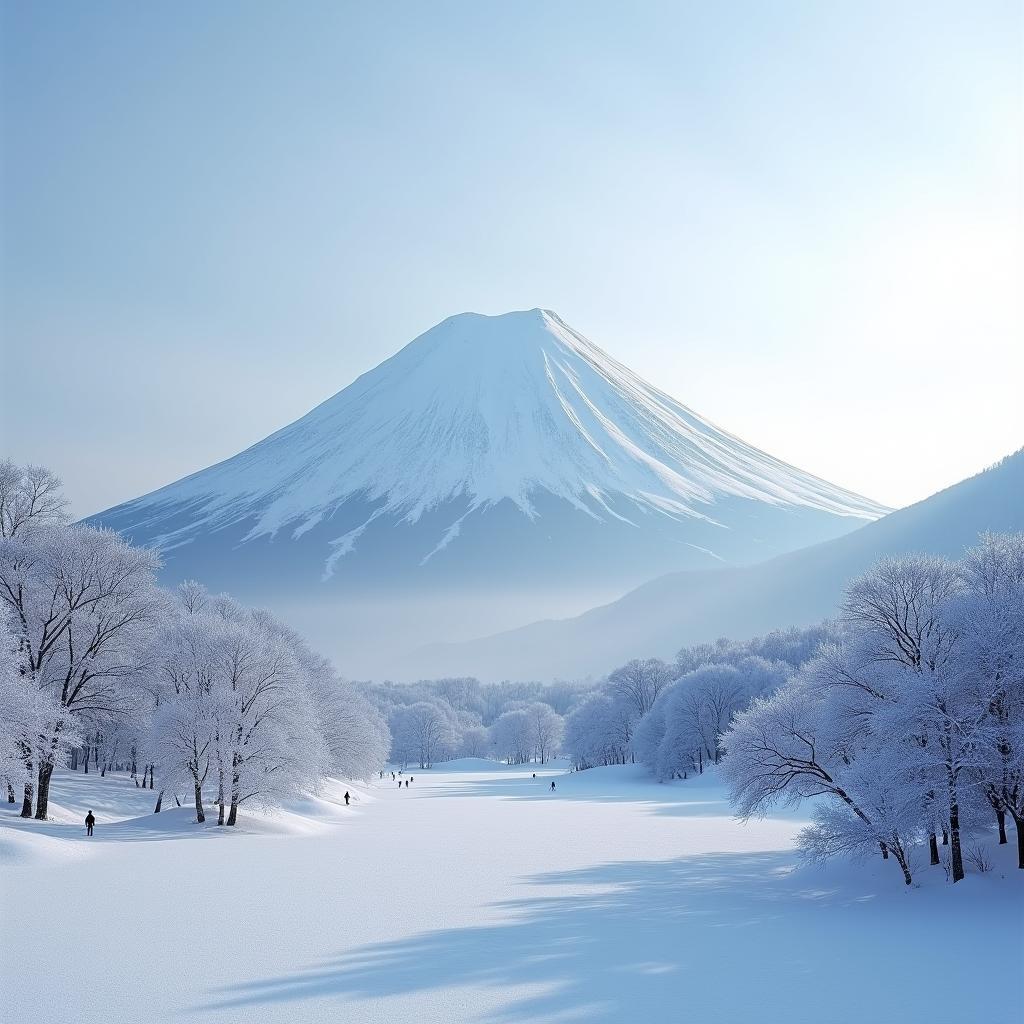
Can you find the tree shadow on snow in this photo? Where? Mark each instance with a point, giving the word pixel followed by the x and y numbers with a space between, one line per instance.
pixel 732 937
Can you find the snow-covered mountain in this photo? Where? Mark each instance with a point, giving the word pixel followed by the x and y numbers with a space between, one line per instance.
pixel 497 453
pixel 683 608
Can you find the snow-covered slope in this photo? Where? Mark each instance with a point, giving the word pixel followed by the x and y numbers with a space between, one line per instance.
pixel 683 608
pixel 499 452
pixel 480 896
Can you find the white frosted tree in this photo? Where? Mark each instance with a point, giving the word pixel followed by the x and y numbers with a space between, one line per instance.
pixel 639 682
pixel 546 730
pixel 425 731
pixel 784 748
pixel 512 736
pixel 990 663
pixel 30 496
pixel 84 604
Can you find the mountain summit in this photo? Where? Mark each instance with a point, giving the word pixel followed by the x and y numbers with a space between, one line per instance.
pixel 495 451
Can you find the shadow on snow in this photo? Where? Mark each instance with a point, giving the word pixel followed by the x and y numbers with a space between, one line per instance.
pixel 639 940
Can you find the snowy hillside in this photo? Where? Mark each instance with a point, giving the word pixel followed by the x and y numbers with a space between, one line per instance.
pixel 692 607
pixel 499 452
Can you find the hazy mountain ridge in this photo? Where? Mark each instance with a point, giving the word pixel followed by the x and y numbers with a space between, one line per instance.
pixel 798 588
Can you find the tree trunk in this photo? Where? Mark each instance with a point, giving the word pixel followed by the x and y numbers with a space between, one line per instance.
pixel 10 793
pixel 26 804
pixel 955 854
pixel 1018 822
pixel 885 851
pixel 902 861
pixel 86 749
pixel 220 814
pixel 233 814
pixel 945 837
pixel 43 793
pixel 74 760
pixel 200 813
pixel 159 802
pixel 933 848
pixel 1001 819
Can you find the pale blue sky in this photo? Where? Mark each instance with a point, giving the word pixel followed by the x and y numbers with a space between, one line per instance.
pixel 802 219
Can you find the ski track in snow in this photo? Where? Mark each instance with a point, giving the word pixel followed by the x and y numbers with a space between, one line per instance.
pixel 479 896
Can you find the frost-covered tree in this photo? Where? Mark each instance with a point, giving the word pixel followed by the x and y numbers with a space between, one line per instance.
pixel 187 660
pixel 682 732
pixel 639 682
pixel 28 715
pixel 425 731
pixel 990 663
pixel 546 729
pixel 84 604
pixel 475 741
pixel 784 748
pixel 909 727
pixel 896 676
pixel 30 496
pixel 512 736
pixel 600 731
pixel 268 746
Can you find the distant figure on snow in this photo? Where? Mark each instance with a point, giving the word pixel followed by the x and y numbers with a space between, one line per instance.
pixel 406 783
pixel 535 775
pixel 346 798
pixel 89 822
pixel 412 778
pixel 399 783
pixel 552 785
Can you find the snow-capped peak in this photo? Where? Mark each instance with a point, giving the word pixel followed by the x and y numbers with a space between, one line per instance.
pixel 486 408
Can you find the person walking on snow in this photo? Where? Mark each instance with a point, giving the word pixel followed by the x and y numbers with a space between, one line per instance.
pixel 89 822
pixel 552 785
pixel 346 798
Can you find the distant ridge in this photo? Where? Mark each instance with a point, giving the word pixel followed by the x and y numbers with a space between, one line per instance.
pixel 682 608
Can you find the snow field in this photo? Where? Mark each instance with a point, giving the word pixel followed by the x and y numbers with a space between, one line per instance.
pixel 478 896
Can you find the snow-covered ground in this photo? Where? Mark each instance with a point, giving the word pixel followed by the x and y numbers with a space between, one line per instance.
pixel 479 895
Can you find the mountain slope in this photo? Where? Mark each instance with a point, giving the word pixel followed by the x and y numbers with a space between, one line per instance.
pixel 798 588
pixel 492 456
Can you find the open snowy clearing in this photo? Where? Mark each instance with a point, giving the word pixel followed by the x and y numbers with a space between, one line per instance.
pixel 478 895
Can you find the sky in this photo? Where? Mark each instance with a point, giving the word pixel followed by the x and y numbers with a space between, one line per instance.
pixel 802 219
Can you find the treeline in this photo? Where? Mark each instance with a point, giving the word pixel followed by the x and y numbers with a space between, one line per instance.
pixel 671 716
pixel 187 688
pixel 902 721
pixel 907 730
pixel 437 720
